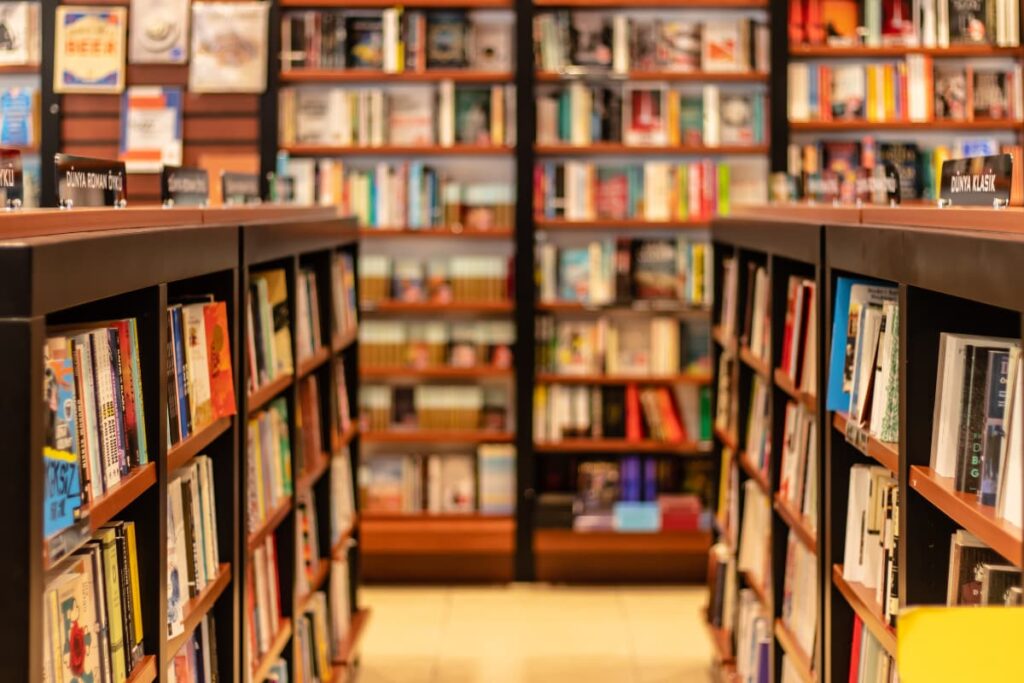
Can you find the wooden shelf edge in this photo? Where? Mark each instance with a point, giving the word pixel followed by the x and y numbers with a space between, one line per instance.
pixel 864 51
pixel 886 454
pixel 316 583
pixel 785 384
pixel 267 392
pixel 826 126
pixel 554 542
pixel 342 341
pixel 754 363
pixel 198 607
pixel 277 645
pixel 697 378
pixel 869 612
pixel 427 436
pixel 801 661
pixel 721 640
pixel 439 233
pixel 612 148
pixel 747 465
pixel 341 439
pixel 398 150
pixel 348 649
pixel 311 364
pixel 582 307
pixel 372 372
pixel 270 524
pixel 556 224
pixel 728 344
pixel 121 495
pixel 796 523
pixel 144 672
pixel 183 451
pixel 308 75
pixel 759 590
pixel 727 439
pixel 619 446
pixel 547 76
pixel 307 480
pixel 339 551
pixel 435 307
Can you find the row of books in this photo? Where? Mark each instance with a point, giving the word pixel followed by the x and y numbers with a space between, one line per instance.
pixel 799 358
pixel 869 661
pixel 92 611
pixel 451 279
pixel 652 191
pixel 309 446
pixel 871 550
pixel 410 195
pixel 798 469
pixel 386 408
pixel 268 325
pixel 308 334
pixel 268 463
pixel 452 483
pixel 660 346
pixel 345 313
pixel 759 428
pixel 307 542
pixel 314 643
pixel 436 344
pixel 910 90
pixel 582 114
pixel 928 23
pixel 863 368
pixel 977 416
pixel 727 403
pixel 724 597
pixel 95 426
pixel 633 412
pixel 197 661
pixel 800 594
pixel 753 639
pixel 200 383
pixel 263 603
pixel 566 40
pixel 193 556
pixel 979 576
pixel 753 557
pixel 756 332
pixel 412 115
pixel 626 270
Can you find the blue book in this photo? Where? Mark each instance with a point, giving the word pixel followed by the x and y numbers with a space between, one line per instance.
pixel 813 97
pixel 549 190
pixel 855 292
pixel 62 494
pixel 636 517
pixel 629 481
pixel 650 479
pixel 574 274
pixel 184 415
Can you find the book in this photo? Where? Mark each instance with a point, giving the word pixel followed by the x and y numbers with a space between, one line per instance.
pixel 63 494
pixel 446 39
pixel 411 117
pixel 151 128
pixel 968 557
pixel 679 45
pixel 968 22
pixel 590 36
pixel 229 47
pixel 364 40
pixel 89 49
pixel 951 92
pixel 158 31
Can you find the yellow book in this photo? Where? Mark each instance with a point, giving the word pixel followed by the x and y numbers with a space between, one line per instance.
pixel 872 94
pixel 697 273
pixel 673 118
pixel 133 570
pixel 933 642
pixel 497 115
pixel 889 90
pixel 257 466
pixel 115 632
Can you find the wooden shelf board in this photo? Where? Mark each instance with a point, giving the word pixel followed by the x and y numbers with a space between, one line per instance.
pixel 747 465
pixel 311 364
pixel 385 4
pixel 426 534
pixel 339 551
pixel 698 378
pixel 635 307
pixel 797 524
pixel 323 570
pixel 862 600
pixel 340 674
pixel 569 542
pixel 307 480
pixel 183 451
pixel 679 4
pixel 597 148
pixel 273 520
pixel 759 590
pixel 754 363
pixel 376 76
pixel 830 126
pixel 120 496
pixel 438 436
pixel 436 233
pixel 619 446
pixel 887 454
pixel 718 335
pixel 348 649
pixel 784 383
pixel 728 440
pixel 434 373
pixel 398 150
pixel 27 69
pixel 341 439
pixel 964 509
pixel 342 341
pixel 277 645
pixel 635 75
pixel 198 607
pixel 144 672
pixel 554 224
pixel 865 52
pixel 269 391
pixel 431 307
pixel 721 641
pixel 800 660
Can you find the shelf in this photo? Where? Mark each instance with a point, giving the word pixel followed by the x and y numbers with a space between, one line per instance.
pixel 678 4
pixel 759 590
pixel 435 373
pixel 698 378
pixel 277 645
pixel 439 436
pixel 144 672
pixel 653 306
pixel 311 364
pixel 339 551
pixel 858 126
pixel 718 336
pixel 728 440
pixel 341 439
pixel 436 233
pixel 268 392
pixel 797 524
pixel 783 382
pixel 963 508
pixel 342 341
pixel 198 607
pixel 886 454
pixel 385 4
pixel 554 224
pixel 120 496
pixel 721 641
pixel 568 541
pixel 619 148
pixel 862 600
pixel 754 363
pixel 183 451
pixel 273 520
pixel 307 480
pixel 754 473
pixel 798 658
pixel 374 76
pixel 315 584
pixel 865 52
pixel 397 150
pixel 25 69
pixel 426 534
pixel 564 555
pixel 676 76
pixel 585 446
pixel 348 649
pixel 431 308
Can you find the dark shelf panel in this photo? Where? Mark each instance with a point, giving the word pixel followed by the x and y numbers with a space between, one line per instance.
pixel 268 392
pixel 887 454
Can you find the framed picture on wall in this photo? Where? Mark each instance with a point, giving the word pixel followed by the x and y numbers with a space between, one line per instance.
pixel 89 49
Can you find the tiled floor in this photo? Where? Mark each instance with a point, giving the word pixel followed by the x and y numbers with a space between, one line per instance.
pixel 535 634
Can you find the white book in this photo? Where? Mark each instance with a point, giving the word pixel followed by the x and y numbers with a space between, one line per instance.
pixel 391 30
pixel 856 512
pixel 928 21
pixel 177 569
pixel 446 113
pixel 620 44
pixel 799 91
pixel 864 357
pixel 882 370
pixel 712 116
pixel 656 190
pixel 1009 503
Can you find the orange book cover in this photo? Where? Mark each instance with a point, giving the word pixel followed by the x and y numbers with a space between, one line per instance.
pixel 218 354
pixel 675 432
pixel 634 426
pixel 796 22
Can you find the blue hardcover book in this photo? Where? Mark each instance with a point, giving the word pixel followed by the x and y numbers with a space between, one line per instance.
pixel 650 479
pixel 813 97
pixel 629 480
pixel 574 274
pixel 184 415
pixel 373 200
pixel 115 370
pixel 995 403
pixel 140 413
pixel 63 485
pixel 758 119
pixel 636 517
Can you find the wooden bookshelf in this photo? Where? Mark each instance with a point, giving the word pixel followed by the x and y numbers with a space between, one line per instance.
pixel 428 436
pixel 638 224
pixel 429 307
pixel 342 439
pixel 308 479
pixel 198 607
pixel 313 363
pixel 698 378
pixel 340 547
pixel 396 150
pixel 269 525
pixel 727 439
pixel 613 148
pixel 19 69
pixel 268 392
pixel 120 496
pixel 785 383
pixel 754 363
pixel 862 600
pixel 484 372
pixel 667 76
pixel 754 472
pixel 316 582
pixel 865 52
pixel 887 454
pixel 435 233
pixel 800 659
pixel 277 645
pixel 797 523
pixel 182 452
pixel 836 126
pixel 372 76
pixel 575 446
pixel 145 671
pixel 340 342
pixel 348 649
pixel 603 556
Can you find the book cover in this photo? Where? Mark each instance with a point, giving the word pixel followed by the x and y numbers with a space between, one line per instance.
pixel 995 404
pixel 458 484
pixel 736 115
pixel 128 391
pixel 158 31
pixel 89 49
pixel 643 44
pixel 841 19
pixel 490 44
pixel 905 156
pixel 967 22
pixel 898 22
pixel 77 614
pixel 678 45
pixel 411 116
pixel 19 117
pixel 644 119
pixel 446 39
pixel 951 100
pixel 62 496
pixel 218 355
pixel 364 36
pixel 598 486
pixel 151 128
pixel 991 95
pixel 473 116
pixel 849 92
pixel 968 557
pixel 655 274
pixel 229 47
pixel 280 330
pixel 590 39
pixel 722 46
pixel 20 33
pixel 574 274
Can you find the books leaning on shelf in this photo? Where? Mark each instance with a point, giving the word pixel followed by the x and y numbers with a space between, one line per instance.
pixel 800 593
pixel 263 602
pixel 453 279
pixel 269 332
pixel 976 422
pixel 930 23
pixel 193 557
pixel 200 383
pixel 657 191
pixel 624 271
pixel 869 661
pixel 436 344
pixel 800 335
pixel 314 649
pixel 798 473
pixel 421 115
pixel 730 297
pixel 759 436
pixel 452 483
pixel 93 608
pixel 396 40
pixel 307 314
pixel 871 551
pixel 753 639
pixel 343 512
pixel 386 408
pixel 269 463
pixel 978 575
pixel 650 115
pixel 343 285
pixel 631 412
pixel 599 41
pixel 727 406
pixel 620 346
pixel 756 334
pixel 197 659
pixel 754 555
pixel 309 448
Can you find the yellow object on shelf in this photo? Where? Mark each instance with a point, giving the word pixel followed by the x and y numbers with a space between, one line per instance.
pixel 938 644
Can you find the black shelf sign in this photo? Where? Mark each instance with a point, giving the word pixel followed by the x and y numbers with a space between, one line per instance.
pixel 184 186
pixel 12 180
pixel 240 188
pixel 977 181
pixel 84 181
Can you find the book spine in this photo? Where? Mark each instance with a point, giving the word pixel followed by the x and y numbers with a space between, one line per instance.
pixel 128 389
pixel 180 375
pixel 124 456
pixel 140 412
pixel 174 423
pixel 105 404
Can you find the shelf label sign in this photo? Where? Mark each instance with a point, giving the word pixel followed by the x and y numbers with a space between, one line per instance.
pixel 84 181
pixel 240 188
pixel 184 186
pixel 12 183
pixel 977 181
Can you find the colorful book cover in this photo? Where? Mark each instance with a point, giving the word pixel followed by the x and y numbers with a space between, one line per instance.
pixel 574 274
pixel 76 604
pixel 63 490
pixel 365 38
pixel 218 356
pixel 89 49
pixel 18 114
pixel 151 128
pixel 678 45
pixel 159 31
pixel 736 112
pixel 950 92
pixel 446 39
pixel 655 275
pixel 473 116
pixel 906 158
pixel 21 31
pixel 590 39
pixel 991 95
pixel 967 22
pixel 229 47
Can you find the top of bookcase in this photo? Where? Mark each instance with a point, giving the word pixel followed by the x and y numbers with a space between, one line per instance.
pixel 958 218
pixel 798 239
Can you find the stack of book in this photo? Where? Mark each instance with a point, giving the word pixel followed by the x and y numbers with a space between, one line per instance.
pixel 625 270
pixel 871 553
pixel 754 556
pixel 263 604
pixel 193 557
pixel 800 593
pixel 309 337
pixel 314 648
pixel 197 658
pixel 307 542
pixel 799 358
pixel 96 598
pixel 433 407
pixel 269 332
pixel 798 471
pixel 978 575
pixel 269 463
pixel 400 116
pixel 345 316
pixel 436 344
pixel 396 40
pixel 567 41
pixel 200 383
pixel 869 661
pixel 453 279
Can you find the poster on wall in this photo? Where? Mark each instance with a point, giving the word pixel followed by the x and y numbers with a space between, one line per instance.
pixel 19 33
pixel 229 47
pixel 159 32
pixel 151 128
pixel 89 49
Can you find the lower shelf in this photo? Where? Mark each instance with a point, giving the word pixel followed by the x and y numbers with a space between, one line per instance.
pixel 144 672
pixel 348 649
pixel 611 557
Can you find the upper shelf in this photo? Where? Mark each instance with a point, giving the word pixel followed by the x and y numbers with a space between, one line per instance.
pixel 677 76
pixel 397 150
pixel 619 148
pixel 374 75
pixel 865 52
pixel 978 124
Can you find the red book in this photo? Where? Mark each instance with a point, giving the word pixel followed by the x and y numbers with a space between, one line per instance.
pixel 674 430
pixel 796 21
pixel 218 357
pixel 787 330
pixel 813 26
pixel 858 629
pixel 124 343
pixel 634 426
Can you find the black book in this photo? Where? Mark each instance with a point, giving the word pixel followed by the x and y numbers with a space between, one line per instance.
pixel 613 412
pixel 299 41
pixel 172 386
pixel 364 38
pixel 654 265
pixel 970 23
pixel 972 419
pixel 179 345
pixel 590 39
pixel 623 270
pixel 190 540
pixel 404 402
pixel 212 645
pixel 446 39
pixel 132 650
pixel 555 510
